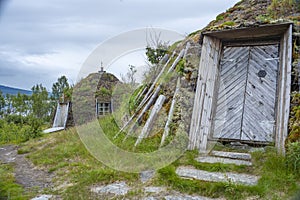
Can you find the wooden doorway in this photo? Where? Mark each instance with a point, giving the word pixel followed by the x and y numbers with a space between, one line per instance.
pixel 246 99
pixel 276 104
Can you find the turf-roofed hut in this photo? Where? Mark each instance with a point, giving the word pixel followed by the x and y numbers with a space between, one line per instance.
pixel 92 96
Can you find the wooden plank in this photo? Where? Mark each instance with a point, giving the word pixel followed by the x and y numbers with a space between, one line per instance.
pixel 149 92
pixel 141 93
pixel 145 109
pixel 176 60
pixel 147 96
pixel 229 108
pixel 259 109
pixel 206 70
pixel 287 95
pixel 194 137
pixel 194 129
pixel 284 91
pixel 253 33
pixel 149 123
pixel 187 47
pixel 171 112
pixel 202 110
pixel 211 80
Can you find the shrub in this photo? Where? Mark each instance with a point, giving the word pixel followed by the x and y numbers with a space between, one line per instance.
pixel 11 132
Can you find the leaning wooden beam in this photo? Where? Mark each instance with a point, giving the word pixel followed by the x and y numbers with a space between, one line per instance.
pixel 171 112
pixel 149 104
pixel 187 47
pixel 146 108
pixel 141 93
pixel 176 61
pixel 157 78
pixel 126 124
pixel 181 54
pixel 148 126
pixel 154 82
pixel 148 94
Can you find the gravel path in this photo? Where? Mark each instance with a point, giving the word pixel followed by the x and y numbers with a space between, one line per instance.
pixel 26 174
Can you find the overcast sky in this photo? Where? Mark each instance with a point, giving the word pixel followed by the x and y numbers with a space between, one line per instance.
pixel 40 40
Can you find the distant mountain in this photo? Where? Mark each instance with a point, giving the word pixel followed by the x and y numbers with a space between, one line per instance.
pixel 13 91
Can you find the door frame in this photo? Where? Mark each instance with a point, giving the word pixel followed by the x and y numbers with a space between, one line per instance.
pixel 205 97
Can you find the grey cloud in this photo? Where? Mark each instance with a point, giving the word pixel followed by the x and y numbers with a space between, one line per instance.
pixel 37 27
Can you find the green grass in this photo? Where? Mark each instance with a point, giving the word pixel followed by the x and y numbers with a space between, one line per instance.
pixel 228 23
pixel 173 47
pixel 277 181
pixel 110 129
pixel 220 17
pixel 63 153
pixel 167 176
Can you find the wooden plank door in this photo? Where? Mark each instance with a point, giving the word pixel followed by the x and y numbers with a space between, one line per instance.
pixel 231 93
pixel 247 94
pixel 260 99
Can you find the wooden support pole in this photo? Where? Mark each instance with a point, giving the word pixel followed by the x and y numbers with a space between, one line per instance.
pixel 171 112
pixel 153 115
pixel 145 109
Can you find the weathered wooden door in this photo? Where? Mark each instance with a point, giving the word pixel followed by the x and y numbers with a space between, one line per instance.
pixel 245 108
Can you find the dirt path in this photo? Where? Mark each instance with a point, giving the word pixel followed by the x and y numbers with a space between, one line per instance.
pixel 26 173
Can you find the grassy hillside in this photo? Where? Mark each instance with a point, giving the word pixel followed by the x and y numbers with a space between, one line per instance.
pixel 75 171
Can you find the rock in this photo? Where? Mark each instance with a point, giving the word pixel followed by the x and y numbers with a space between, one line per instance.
pixel 149 198
pixel 145 176
pixel 186 197
pixel 42 197
pixel 115 188
pixel 154 189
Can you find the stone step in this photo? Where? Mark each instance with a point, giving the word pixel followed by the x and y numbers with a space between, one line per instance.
pixel 187 197
pixel 192 173
pixel 233 155
pixel 211 159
